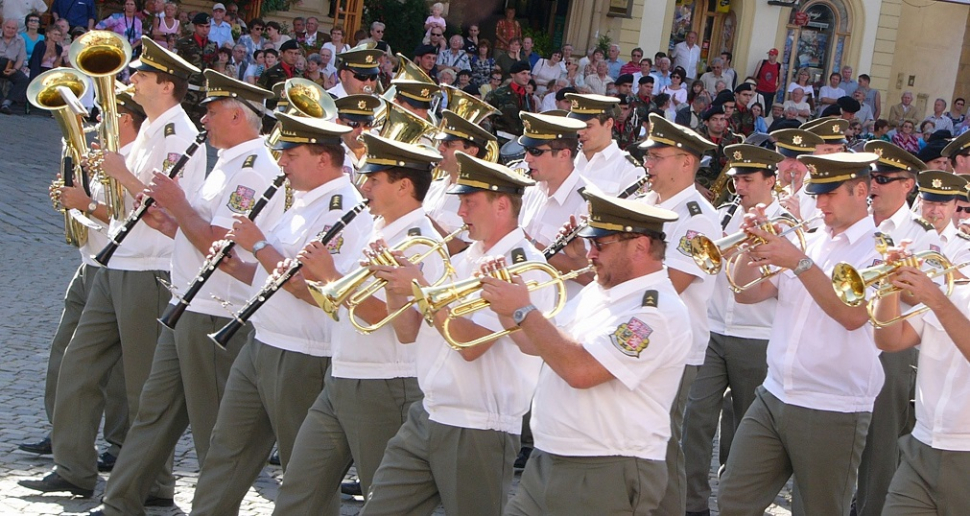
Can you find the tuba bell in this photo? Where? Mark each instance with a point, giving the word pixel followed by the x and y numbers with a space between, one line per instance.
pixel 101 55
pixel 404 126
pixel 57 91
pixel 302 97
pixel 474 110
pixel 409 71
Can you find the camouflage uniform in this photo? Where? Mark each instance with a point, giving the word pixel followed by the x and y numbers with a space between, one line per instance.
pixel 627 133
pixel 274 75
pixel 202 57
pixel 706 176
pixel 741 123
pixel 642 107
pixel 509 103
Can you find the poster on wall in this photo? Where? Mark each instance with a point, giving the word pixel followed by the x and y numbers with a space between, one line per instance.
pixel 812 46
pixel 620 8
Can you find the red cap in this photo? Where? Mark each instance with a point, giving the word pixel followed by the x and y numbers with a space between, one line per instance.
pixel 773 52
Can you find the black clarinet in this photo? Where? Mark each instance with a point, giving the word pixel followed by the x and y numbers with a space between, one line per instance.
pixel 138 213
pixel 173 312
pixel 729 214
pixel 564 240
pixel 276 282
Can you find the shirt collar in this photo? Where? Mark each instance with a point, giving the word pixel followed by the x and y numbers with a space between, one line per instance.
pixel 301 199
pixel 864 227
pixel 634 286
pixel 567 187
pixel 502 247
pixel 200 41
pixel 246 147
pixel 516 88
pixel 897 220
pixel 408 220
pixel 678 198
pixel 949 233
pixel 156 125
pixel 287 69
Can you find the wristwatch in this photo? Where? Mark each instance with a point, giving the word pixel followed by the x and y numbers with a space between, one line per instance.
pixel 519 315
pixel 258 246
pixel 803 265
pixel 92 207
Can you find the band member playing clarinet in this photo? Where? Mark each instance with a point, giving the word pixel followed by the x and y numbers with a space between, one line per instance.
pixel 189 373
pixel 280 370
pixel 119 319
pixel 810 416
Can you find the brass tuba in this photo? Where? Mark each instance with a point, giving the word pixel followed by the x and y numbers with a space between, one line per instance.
pixel 58 91
pixel 305 98
pixel 474 110
pixel 404 126
pixel 101 55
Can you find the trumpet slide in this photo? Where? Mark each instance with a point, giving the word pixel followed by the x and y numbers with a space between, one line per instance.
pixel 432 299
pixel 276 281
pixel 173 312
pixel 138 213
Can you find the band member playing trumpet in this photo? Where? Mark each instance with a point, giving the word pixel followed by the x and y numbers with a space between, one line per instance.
pixel 281 369
pixel 458 445
pixel 189 372
pixel 357 113
pixel 939 193
pixel 601 161
pixel 673 155
pixel 620 351
pixel 735 356
pixel 810 416
pixel 937 452
pixel 792 143
pixel 373 380
pixel 119 318
pixel 131 117
pixel 358 70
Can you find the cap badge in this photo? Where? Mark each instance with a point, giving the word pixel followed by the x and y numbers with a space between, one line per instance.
pixel 937 183
pixel 425 92
pixel 737 155
pixel 527 125
pixel 369 59
pixel 797 140
pixel 361 104
pixel 812 170
pixel 574 104
pixel 879 151
pixel 835 128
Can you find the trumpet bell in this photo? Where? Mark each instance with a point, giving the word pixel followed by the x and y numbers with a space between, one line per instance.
pixel 43 92
pixel 100 53
pixel 849 284
pixel 706 254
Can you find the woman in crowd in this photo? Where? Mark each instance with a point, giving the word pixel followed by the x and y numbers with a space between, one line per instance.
pixel 676 89
pixel 482 64
pixel 575 78
pixel 880 130
pixel 905 138
pixel 256 68
pixel 327 69
pixel 664 104
pixel 507 29
pixel 598 57
pixel 534 99
pixel 472 40
pixel 168 24
pixel 509 57
pixel 336 43
pixel 759 120
pixel 547 70
pixel 275 35
pixel 801 81
pixel 125 23
pixel 447 76
pixel 31 36
pixel 696 88
pixel 48 53
pixel 254 40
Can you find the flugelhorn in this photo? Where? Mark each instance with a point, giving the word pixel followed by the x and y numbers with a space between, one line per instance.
pixel 58 91
pixel 101 55
pixel 351 289
pixel 850 284
pixel 710 255
pixel 432 299
pixel 276 281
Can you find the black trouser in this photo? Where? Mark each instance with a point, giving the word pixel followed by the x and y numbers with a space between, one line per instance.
pixel 18 80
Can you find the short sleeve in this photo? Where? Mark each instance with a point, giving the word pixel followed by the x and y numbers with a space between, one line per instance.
pixel 678 255
pixel 632 346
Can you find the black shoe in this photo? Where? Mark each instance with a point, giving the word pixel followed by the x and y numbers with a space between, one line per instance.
pixel 106 462
pixel 5 109
pixel 157 501
pixel 42 447
pixel 54 483
pixel 351 489
pixel 523 457
pixel 274 458
pixel 706 512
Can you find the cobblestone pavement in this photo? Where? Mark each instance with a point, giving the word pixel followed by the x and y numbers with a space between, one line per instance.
pixel 37 266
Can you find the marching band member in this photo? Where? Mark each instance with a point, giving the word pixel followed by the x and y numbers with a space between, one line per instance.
pixel 358 70
pixel 810 416
pixel 672 159
pixel 620 353
pixel 372 381
pixel 936 455
pixel 735 356
pixel 458 445
pixel 601 161
pixel 119 318
pixel 940 192
pixel 281 368
pixel 958 152
pixel 357 113
pixel 792 173
pixel 189 371
pixel 416 96
pixel 454 134
pixel 832 132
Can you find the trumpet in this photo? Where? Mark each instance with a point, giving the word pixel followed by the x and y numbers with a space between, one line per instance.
pixel 434 298
pixel 850 284
pixel 710 254
pixel 351 290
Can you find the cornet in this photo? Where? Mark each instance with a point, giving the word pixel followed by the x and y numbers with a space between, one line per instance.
pixel 434 298
pixel 850 284
pixel 710 255
pixel 351 290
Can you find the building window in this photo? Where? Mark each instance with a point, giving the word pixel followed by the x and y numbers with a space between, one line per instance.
pixel 816 40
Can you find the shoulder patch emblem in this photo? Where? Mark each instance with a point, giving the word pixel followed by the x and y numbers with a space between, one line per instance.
pixel 334 245
pixel 684 245
pixel 925 224
pixel 518 255
pixel 241 201
pixel 632 337
pixel 337 202
pixel 633 161
pixel 170 129
pixel 961 234
pixel 414 232
pixel 250 160
pixel 170 160
pixel 650 299
pixel 693 208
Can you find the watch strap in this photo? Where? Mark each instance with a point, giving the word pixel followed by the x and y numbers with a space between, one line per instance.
pixel 519 315
pixel 258 246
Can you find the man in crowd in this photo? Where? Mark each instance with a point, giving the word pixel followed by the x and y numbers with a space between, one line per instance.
pixel 716 74
pixel 510 100
pixel 715 128
pixel 13 55
pixel 220 31
pixel 314 39
pixel 528 52
pixel 661 77
pixel 199 50
pixel 285 69
pixel 79 13
pixel 601 161
pixel 633 65
pixel 742 121
pixel 613 62
pixel 941 122
pixel 19 9
pixel 687 55
pixel 848 85
pixel 905 110
pixel 454 58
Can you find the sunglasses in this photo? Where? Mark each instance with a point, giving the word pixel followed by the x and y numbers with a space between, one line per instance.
pixel 963 209
pixel 536 152
pixel 436 34
pixel 364 78
pixel 353 124
pixel 885 180
pixel 599 244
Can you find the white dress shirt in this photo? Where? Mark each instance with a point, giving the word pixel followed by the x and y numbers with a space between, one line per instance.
pixel 495 390
pixel 285 321
pixel 813 361
pixel 159 144
pixel 442 207
pixel 637 331
pixel 608 169
pixel 956 247
pixel 687 58
pixel 378 355
pixel 942 382
pixel 97 239
pixel 543 215
pixel 696 217
pixel 906 225
pixel 240 177
pixel 220 33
